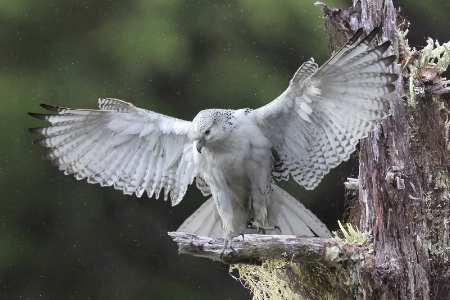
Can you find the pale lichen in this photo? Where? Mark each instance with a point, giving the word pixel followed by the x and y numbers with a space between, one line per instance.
pixel 284 279
pixel 264 281
pixel 424 67
pixel 435 56
pixel 329 277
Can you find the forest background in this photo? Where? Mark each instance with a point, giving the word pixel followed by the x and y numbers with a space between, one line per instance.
pixel 63 238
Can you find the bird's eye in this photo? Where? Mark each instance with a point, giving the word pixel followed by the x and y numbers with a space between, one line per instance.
pixel 207 132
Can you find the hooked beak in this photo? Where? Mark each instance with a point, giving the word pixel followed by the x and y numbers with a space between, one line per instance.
pixel 199 146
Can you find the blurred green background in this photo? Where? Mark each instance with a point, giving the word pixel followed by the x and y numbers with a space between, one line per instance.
pixel 65 239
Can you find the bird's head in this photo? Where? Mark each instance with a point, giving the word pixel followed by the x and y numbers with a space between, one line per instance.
pixel 210 127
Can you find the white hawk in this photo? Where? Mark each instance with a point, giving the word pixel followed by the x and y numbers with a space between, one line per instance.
pixel 232 154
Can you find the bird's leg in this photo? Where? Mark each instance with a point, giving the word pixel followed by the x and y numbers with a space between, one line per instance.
pixel 255 225
pixel 228 241
pixel 225 244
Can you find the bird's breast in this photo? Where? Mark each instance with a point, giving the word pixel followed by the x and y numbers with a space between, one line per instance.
pixel 244 154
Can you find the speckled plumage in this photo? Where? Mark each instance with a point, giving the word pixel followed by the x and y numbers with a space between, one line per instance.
pixel 233 154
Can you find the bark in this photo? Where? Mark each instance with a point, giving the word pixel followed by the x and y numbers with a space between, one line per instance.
pixel 311 268
pixel 255 248
pixel 403 198
pixel 404 192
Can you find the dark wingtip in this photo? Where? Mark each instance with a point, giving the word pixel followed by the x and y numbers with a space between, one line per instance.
pixel 35 130
pixel 390 59
pixel 387 43
pixel 392 76
pixel 383 47
pixel 395 77
pixel 372 34
pixel 51 107
pixel 355 36
pixel 391 87
pixel 376 29
pixel 40 142
pixel 38 116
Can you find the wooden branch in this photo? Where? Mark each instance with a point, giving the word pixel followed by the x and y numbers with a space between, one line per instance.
pixel 313 268
pixel 254 248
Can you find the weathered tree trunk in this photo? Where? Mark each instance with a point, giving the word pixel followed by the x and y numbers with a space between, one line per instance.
pixel 403 197
pixel 404 184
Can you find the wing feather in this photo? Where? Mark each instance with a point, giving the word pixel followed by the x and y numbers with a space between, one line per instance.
pixel 132 149
pixel 316 123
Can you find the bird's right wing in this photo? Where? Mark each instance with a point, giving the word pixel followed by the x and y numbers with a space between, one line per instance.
pixel 133 149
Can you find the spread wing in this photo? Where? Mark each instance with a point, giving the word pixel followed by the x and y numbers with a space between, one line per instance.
pixel 133 149
pixel 316 123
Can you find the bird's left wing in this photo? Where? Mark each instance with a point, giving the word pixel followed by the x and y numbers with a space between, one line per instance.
pixel 316 123
pixel 133 149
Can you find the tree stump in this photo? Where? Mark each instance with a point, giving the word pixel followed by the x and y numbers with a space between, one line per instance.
pixel 403 198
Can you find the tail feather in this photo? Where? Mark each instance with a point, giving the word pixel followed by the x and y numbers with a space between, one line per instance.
pixel 284 211
pixel 204 221
pixel 299 220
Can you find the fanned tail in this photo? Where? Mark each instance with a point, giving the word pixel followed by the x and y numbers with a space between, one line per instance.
pixel 205 221
pixel 292 217
pixel 284 211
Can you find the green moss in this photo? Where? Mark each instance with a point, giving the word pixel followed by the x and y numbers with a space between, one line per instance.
pixel 350 235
